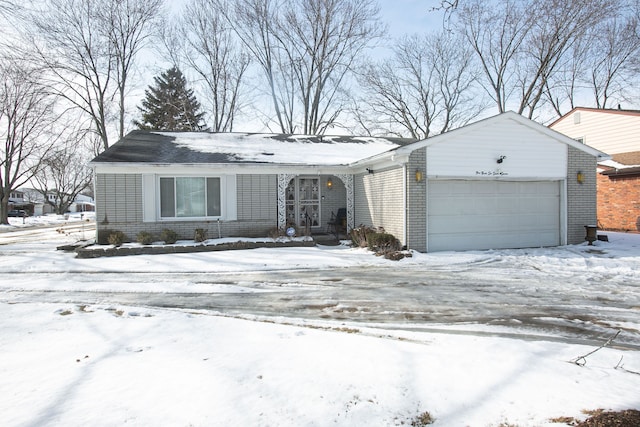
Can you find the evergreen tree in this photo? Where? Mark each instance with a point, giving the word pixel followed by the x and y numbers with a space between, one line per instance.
pixel 169 105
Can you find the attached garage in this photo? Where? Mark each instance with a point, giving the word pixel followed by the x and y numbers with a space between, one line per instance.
pixel 503 182
pixel 474 214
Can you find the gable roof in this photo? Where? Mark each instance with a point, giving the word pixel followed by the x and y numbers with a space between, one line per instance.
pixel 503 117
pixel 597 110
pixel 150 147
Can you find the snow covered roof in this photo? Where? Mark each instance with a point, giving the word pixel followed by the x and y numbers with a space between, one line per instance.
pixel 622 164
pixel 215 148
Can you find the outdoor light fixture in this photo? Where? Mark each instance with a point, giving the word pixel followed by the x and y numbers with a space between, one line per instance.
pixel 419 175
pixel 580 177
pixel 329 183
pixel 501 159
pixel 369 170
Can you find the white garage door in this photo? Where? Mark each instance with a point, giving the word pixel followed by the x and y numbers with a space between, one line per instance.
pixel 465 215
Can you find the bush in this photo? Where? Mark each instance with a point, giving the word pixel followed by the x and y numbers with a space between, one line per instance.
pixel 200 235
pixel 116 238
pixel 359 236
pixel 144 238
pixel 168 236
pixel 383 243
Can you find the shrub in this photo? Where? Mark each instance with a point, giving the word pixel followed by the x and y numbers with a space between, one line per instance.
pixel 144 238
pixel 359 235
pixel 200 235
pixel 116 238
pixel 383 243
pixel 168 236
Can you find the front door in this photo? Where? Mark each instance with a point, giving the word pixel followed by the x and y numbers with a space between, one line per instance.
pixel 303 202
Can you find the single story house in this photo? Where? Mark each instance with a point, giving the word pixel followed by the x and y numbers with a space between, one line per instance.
pixel 501 182
pixel 616 132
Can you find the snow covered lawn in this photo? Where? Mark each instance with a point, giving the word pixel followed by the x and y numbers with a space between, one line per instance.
pixel 106 365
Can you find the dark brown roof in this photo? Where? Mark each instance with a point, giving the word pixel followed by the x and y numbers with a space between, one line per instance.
pixel 630 158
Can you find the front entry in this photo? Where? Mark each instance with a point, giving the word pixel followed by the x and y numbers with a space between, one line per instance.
pixel 303 202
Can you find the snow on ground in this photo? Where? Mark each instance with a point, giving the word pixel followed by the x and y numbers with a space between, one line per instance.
pixel 102 365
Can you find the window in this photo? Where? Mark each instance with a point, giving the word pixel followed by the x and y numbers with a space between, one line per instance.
pixel 190 197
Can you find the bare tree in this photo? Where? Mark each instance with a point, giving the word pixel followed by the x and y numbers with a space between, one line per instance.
pixel 613 51
pixel 306 49
pixel 87 49
pixel 496 34
pixel 73 49
pixel 205 43
pixel 563 87
pixel 130 24
pixel 426 89
pixel 522 45
pixel 556 26
pixel 26 116
pixel 64 173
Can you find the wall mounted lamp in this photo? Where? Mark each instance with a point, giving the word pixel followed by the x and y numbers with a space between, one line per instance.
pixel 329 183
pixel 369 170
pixel 419 176
pixel 580 177
pixel 501 159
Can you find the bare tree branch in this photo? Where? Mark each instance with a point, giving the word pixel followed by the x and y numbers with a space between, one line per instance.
pixel 26 116
pixel 306 49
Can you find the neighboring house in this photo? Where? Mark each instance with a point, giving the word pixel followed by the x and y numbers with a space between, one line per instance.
pixel 502 182
pixel 82 203
pixel 38 205
pixel 616 132
pixel 18 201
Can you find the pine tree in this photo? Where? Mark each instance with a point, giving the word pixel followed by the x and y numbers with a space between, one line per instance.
pixel 170 106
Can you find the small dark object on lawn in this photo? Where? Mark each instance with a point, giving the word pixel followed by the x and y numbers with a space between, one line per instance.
pixel 628 418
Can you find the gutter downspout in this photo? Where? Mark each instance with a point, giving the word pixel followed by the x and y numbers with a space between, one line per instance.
pixel 405 183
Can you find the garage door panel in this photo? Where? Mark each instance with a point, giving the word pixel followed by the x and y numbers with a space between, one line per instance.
pixel 492 214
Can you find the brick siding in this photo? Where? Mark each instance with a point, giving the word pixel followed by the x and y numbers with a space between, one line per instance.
pixel 581 198
pixel 417 201
pixel 119 204
pixel 619 203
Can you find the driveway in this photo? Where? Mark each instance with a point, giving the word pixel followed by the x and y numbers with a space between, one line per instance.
pixel 494 298
pixel 576 293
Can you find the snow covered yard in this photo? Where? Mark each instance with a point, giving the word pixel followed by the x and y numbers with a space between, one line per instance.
pixel 104 364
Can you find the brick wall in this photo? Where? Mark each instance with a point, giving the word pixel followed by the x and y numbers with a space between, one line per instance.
pixel 619 203
pixel 581 198
pixel 119 204
pixel 417 201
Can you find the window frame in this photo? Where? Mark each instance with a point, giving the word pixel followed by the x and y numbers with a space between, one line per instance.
pixel 205 177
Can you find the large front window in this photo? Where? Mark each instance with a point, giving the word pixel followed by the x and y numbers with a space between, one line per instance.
pixel 188 197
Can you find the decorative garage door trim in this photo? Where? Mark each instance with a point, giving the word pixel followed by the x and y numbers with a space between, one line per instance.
pixel 492 214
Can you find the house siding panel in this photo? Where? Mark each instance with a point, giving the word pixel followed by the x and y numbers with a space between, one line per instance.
pixel 581 198
pixel 379 201
pixel 527 154
pixel 609 131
